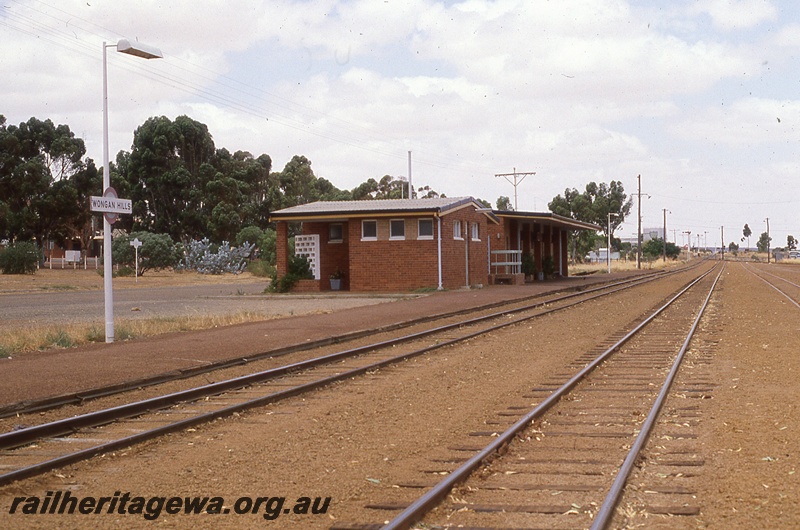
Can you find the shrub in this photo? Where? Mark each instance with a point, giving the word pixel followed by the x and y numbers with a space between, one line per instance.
pixel 157 251
pixel 260 268
pixel 528 266
pixel 250 235
pixel 299 269
pixel 201 256
pixel 20 258
pixel 267 246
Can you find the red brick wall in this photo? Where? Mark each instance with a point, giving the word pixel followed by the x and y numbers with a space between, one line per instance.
pixel 281 248
pixel 392 265
pixel 456 259
pixel 333 255
pixel 404 264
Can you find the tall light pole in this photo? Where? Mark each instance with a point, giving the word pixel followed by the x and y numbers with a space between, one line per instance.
pixel 608 250
pixel 145 52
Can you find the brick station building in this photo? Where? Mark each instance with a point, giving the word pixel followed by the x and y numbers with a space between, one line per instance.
pixel 408 244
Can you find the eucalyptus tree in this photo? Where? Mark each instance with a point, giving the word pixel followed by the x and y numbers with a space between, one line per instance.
pixel 43 180
pixel 167 169
pixel 593 205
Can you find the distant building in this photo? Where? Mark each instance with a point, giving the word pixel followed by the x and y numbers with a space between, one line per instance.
pixel 647 235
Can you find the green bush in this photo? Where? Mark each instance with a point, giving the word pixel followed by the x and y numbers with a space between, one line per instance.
pixel 260 268
pixel 249 234
pixel 528 265
pixel 157 251
pixel 299 269
pixel 20 258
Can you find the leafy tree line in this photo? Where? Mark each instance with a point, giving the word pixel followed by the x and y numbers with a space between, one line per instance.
pixel 764 240
pixel 179 182
pixel 45 183
pixel 593 205
pixel 183 186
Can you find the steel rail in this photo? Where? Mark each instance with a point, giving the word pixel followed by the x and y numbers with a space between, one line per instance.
pixel 28 435
pixel 113 445
pixel 792 300
pixel 26 407
pixel 606 512
pixel 70 425
pixel 416 510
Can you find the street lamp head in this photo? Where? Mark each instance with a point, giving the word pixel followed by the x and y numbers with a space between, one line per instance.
pixel 139 50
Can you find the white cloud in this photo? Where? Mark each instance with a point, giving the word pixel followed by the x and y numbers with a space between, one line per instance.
pixel 575 90
pixel 746 122
pixel 735 14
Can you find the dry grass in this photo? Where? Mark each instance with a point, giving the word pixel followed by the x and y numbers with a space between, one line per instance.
pixel 618 266
pixel 73 280
pixel 36 338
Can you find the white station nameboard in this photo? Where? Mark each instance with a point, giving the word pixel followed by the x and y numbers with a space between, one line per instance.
pixel 110 205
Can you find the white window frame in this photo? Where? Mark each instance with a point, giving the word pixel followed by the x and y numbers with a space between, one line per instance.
pixel 475 232
pixel 419 229
pixel 369 238
pixel 393 237
pixel 458 231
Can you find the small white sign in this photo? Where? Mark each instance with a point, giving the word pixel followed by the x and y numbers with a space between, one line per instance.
pixel 111 205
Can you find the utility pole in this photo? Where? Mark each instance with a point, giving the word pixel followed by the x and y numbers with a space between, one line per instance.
pixel 665 233
pixel 722 239
pixel 768 239
pixel 639 229
pixel 688 244
pixel 517 177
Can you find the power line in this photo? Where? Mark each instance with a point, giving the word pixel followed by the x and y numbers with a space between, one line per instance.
pixel 230 93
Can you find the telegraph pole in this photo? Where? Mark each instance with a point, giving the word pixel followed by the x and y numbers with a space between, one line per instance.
pixel 517 177
pixel 768 239
pixel 665 234
pixel 688 244
pixel 722 239
pixel 639 229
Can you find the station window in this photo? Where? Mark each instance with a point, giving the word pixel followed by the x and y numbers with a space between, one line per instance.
pixel 457 232
pixel 397 229
pixel 335 233
pixel 476 233
pixel 425 229
pixel 369 230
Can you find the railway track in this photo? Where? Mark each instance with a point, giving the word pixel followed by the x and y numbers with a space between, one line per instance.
pixel 242 365
pixel 565 463
pixel 792 286
pixel 35 449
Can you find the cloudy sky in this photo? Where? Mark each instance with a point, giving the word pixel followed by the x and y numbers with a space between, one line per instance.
pixel 699 97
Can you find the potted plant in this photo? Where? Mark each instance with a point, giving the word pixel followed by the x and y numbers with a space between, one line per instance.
pixel 336 280
pixel 549 266
pixel 528 266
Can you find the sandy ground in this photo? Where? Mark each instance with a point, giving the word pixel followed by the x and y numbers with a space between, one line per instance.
pixel 352 441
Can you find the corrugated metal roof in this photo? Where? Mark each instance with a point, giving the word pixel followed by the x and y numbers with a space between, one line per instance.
pixel 372 206
pixel 548 218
